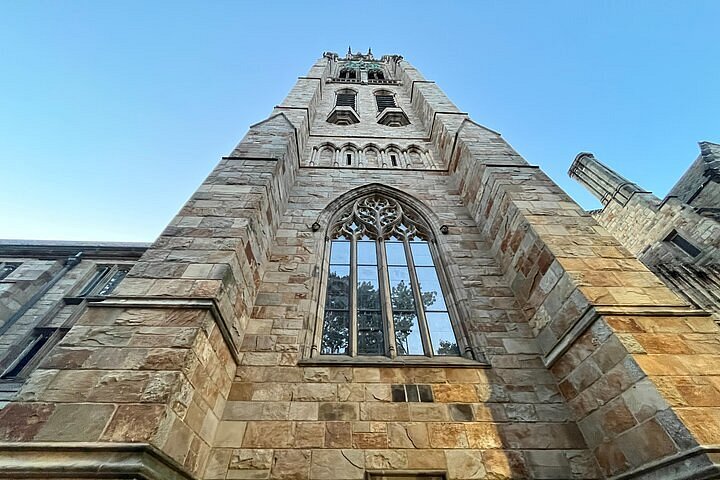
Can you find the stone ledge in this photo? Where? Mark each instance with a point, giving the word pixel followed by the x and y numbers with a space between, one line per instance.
pixel 175 302
pixel 593 313
pixel 434 362
pixel 79 460
pixel 694 464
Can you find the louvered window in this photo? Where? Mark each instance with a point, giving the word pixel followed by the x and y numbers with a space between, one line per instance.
pixel 385 101
pixel 346 100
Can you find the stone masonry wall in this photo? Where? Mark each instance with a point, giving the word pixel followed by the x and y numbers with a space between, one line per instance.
pixel 579 288
pixel 286 420
pixel 593 367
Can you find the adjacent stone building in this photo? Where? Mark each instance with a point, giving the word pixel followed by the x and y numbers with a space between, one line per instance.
pixel 370 286
pixel 678 237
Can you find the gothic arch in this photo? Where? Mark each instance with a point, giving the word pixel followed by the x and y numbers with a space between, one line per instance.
pixel 447 270
pixel 416 157
pixel 349 155
pixel 371 155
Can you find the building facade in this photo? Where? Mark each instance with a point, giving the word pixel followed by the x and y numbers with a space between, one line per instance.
pixel 678 237
pixel 370 286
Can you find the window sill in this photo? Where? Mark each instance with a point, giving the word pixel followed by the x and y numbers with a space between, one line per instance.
pixel 419 362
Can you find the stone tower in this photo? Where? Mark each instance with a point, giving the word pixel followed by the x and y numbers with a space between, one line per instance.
pixel 372 286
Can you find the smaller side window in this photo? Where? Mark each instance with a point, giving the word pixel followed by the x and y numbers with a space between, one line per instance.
pixel 348 74
pixel 104 281
pixel 683 244
pixel 7 268
pixel 376 75
pixel 28 357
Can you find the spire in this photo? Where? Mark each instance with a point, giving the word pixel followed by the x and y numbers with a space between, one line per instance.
pixel 369 52
pixel 349 52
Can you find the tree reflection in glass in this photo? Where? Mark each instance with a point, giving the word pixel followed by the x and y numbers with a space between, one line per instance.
pixel 358 313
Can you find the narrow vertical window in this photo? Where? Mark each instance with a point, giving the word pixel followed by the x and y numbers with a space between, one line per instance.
pixel 384 100
pixel 348 159
pixel 7 268
pixel 393 160
pixel 336 334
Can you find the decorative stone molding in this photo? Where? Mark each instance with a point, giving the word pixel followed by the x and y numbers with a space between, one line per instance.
pixel 343 116
pixel 177 302
pixel 393 117
pixel 138 461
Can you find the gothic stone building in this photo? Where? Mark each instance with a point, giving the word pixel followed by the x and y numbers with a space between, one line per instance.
pixel 678 237
pixel 370 286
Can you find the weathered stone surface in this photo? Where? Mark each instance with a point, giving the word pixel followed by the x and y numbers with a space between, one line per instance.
pixel 338 435
pixel 76 422
pixel 465 464
pixel 291 465
pixel 268 435
pixel 134 423
pixel 309 434
pixel 337 465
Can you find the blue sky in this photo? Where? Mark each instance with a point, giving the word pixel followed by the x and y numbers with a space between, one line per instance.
pixel 112 113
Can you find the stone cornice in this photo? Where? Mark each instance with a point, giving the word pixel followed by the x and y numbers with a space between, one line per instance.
pixel 594 312
pixel 693 464
pixel 173 303
pixel 79 460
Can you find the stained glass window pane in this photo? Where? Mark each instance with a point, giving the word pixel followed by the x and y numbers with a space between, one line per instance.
pixel 340 252
pixel 370 334
pixel 407 333
pixel 430 289
pixel 336 333
pixel 441 334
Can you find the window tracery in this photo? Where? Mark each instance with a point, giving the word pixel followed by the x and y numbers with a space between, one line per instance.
pixel 383 293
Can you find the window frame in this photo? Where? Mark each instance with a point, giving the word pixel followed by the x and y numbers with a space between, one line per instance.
pixel 8 268
pixel 465 355
pixel 101 276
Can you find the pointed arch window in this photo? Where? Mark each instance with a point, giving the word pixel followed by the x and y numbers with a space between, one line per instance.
pixel 383 292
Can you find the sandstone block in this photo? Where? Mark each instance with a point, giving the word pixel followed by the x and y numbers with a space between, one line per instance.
pixel 337 465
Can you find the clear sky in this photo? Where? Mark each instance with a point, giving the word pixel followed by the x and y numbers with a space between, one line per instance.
pixel 112 113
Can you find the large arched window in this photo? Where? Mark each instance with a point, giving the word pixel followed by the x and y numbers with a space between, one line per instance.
pixel 383 293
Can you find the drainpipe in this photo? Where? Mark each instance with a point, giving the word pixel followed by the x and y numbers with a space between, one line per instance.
pixel 70 263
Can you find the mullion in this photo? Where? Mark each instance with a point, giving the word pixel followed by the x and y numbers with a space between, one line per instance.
pixel 419 305
pixel 346 311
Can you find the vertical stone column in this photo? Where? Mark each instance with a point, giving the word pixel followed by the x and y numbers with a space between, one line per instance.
pixel 603 182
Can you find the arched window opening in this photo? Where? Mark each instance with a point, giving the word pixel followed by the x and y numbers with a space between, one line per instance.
pixel 348 74
pixel 326 156
pixel 371 156
pixel 376 75
pixel 383 293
